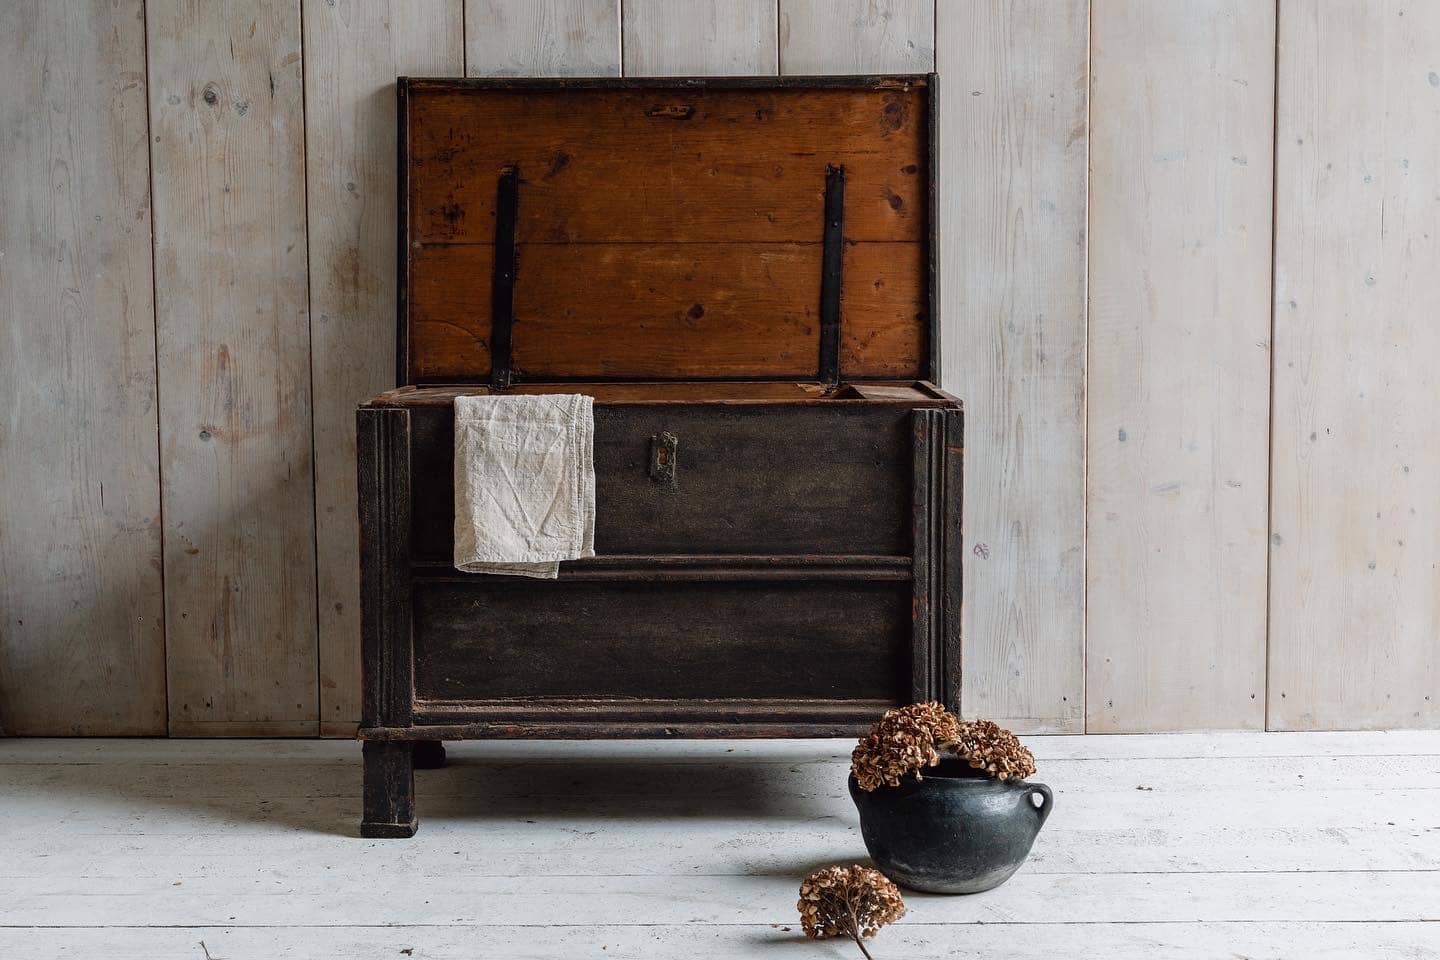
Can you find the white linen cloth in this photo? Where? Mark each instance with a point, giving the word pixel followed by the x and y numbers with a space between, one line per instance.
pixel 524 483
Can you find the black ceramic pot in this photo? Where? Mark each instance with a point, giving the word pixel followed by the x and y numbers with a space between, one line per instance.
pixel 953 832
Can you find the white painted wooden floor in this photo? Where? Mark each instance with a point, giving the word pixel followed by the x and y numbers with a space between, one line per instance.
pixel 1227 845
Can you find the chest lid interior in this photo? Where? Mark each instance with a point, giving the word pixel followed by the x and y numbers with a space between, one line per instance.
pixel 719 229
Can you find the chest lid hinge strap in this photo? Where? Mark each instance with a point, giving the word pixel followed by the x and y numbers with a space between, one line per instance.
pixel 831 264
pixel 502 286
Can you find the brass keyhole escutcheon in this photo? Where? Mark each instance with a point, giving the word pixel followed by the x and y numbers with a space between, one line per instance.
pixel 662 457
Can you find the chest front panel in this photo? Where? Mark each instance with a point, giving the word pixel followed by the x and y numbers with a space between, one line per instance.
pixel 745 480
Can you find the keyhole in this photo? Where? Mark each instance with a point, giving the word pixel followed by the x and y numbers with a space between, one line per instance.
pixel 662 456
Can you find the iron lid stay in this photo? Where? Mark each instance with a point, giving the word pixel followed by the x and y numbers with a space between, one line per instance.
pixel 831 267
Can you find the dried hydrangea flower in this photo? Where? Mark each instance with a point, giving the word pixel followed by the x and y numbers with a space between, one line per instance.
pixel 909 739
pixel 852 902
pixel 904 741
pixel 987 746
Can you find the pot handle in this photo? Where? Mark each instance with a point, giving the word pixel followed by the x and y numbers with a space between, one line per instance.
pixel 1046 800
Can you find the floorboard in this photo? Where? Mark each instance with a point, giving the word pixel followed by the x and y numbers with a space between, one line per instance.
pixel 1225 845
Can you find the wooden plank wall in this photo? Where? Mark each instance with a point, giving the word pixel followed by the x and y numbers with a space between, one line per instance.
pixel 1355 501
pixel 1012 228
pixel 1179 365
pixel 856 36
pixel 530 38
pixel 1151 537
pixel 354 49
pixel 82 646
pixel 669 38
pixel 232 331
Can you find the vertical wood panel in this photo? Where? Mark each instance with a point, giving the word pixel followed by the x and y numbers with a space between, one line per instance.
pixel 1013 188
pixel 234 359
pixel 1179 320
pixel 542 38
pixel 81 644
pixel 857 36
pixel 1181 144
pixel 1355 545
pixel 354 50
pixel 678 38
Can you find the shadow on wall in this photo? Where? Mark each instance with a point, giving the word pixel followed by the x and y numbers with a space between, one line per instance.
pixel 352 358
pixel 239 586
pixel 81 645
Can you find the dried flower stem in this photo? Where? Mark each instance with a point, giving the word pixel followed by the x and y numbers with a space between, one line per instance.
pixel 854 931
pixel 849 920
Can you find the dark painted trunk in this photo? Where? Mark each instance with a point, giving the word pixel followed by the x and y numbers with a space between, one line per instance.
pixel 778 530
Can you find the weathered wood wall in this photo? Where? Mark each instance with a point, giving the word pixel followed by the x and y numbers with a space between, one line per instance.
pixel 1179 363
pixel 1187 278
pixel 232 330
pixel 82 644
pixel 1355 482
pixel 354 51
pixel 1013 143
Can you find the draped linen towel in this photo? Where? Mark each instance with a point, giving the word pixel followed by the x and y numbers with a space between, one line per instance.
pixel 524 483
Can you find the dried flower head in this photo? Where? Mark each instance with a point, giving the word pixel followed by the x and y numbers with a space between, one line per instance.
pixel 987 746
pixel 909 739
pixel 905 740
pixel 852 902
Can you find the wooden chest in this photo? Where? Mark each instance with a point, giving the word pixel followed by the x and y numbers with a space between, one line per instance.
pixel 741 273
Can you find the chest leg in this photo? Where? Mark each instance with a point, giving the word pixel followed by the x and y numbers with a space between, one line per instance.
pixel 389 789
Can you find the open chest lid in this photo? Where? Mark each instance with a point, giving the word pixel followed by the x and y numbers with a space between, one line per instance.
pixel 675 229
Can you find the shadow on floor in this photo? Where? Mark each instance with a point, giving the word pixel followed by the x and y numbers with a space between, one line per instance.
pixel 196 786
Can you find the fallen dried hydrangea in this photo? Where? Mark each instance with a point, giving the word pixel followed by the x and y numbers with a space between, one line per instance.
pixel 906 740
pixel 852 902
